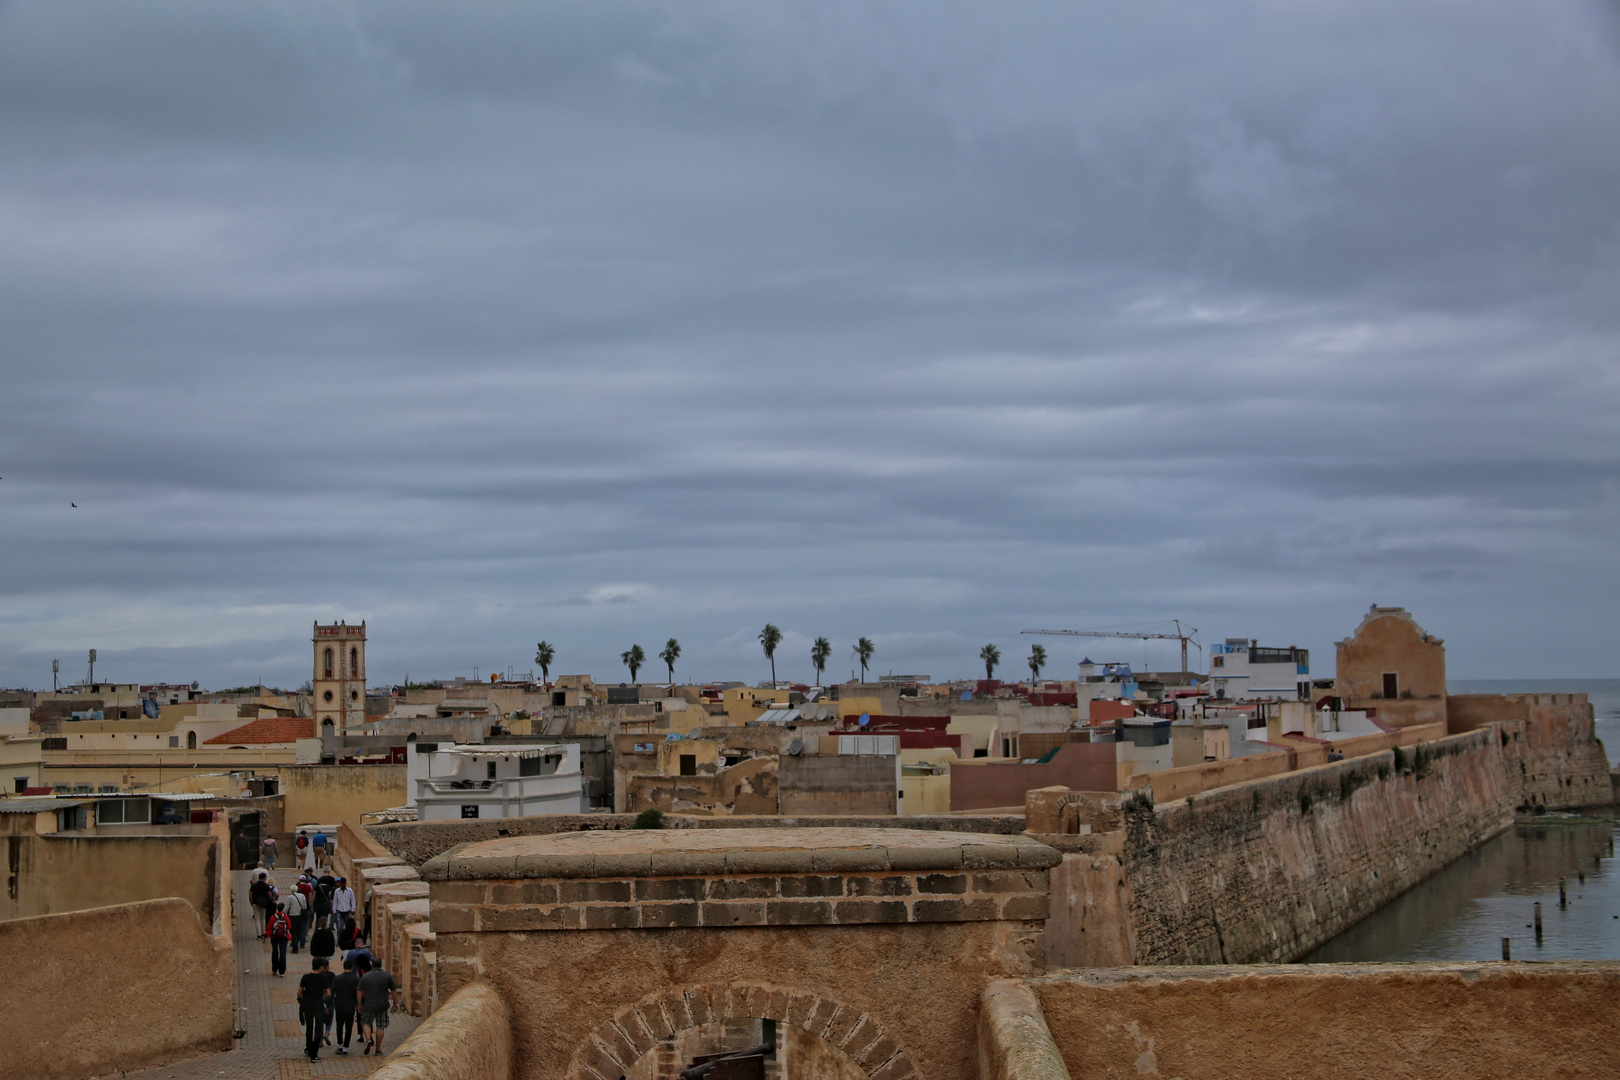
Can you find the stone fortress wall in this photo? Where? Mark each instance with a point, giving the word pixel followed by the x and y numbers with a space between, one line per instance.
pixel 121 987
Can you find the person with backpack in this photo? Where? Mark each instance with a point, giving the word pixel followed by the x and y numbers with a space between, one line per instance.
pixel 324 887
pixel 305 854
pixel 280 931
pixel 314 1003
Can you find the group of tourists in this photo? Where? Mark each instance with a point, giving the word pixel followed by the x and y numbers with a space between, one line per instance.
pixel 360 998
pixel 319 912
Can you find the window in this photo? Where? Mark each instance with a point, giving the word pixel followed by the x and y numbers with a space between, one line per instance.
pixel 529 766
pixel 688 764
pixel 191 740
pixel 491 769
pixel 328 663
pixel 1391 685
pixel 354 662
pixel 174 742
pixel 19 783
pixel 124 812
pixel 328 695
pixel 354 695
pixel 1219 661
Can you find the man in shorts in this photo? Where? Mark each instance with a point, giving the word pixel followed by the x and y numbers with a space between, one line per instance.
pixel 379 994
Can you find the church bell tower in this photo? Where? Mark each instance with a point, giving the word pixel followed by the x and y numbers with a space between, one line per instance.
pixel 340 677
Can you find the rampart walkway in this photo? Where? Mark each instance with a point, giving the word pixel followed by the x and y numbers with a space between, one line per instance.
pixel 267 1009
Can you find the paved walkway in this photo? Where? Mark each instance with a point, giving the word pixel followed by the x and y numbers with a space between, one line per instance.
pixel 267 1008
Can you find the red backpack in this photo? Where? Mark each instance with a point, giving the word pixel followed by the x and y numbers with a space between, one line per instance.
pixel 280 926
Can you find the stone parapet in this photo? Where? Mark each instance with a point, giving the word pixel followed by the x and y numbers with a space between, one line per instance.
pixel 418 841
pixel 596 881
pixel 747 900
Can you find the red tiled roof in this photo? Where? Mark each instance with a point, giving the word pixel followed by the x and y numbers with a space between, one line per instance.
pixel 271 729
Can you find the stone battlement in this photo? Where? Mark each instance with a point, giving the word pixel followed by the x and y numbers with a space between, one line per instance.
pixel 740 877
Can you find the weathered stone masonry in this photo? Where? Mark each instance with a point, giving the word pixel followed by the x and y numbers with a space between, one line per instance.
pixel 836 931
pixel 1266 872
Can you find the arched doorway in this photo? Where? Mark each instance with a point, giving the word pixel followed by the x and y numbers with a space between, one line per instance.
pixel 815 1036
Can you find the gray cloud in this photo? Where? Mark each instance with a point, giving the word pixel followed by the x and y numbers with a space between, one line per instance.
pixel 611 323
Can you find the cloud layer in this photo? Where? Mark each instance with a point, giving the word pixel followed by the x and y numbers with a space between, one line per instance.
pixel 928 322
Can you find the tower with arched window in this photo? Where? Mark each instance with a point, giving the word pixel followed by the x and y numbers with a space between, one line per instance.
pixel 340 676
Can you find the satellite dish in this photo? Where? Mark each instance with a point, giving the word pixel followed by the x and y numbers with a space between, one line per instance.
pixel 866 718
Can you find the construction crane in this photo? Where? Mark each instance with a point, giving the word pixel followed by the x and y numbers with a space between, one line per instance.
pixel 1181 635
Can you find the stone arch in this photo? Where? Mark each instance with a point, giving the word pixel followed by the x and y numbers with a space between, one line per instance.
pixel 610 1051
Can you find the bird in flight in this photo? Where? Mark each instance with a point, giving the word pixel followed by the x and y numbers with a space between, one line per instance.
pixel 74 505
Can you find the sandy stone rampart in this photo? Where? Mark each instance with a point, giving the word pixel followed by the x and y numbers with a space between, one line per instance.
pixel 111 989
pixel 1266 872
pixel 418 841
pixel 468 1038
pixel 1348 1022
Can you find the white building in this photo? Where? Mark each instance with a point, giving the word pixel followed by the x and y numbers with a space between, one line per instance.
pixel 449 780
pixel 1240 668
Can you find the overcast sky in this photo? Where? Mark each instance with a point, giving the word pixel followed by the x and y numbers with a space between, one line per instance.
pixel 932 322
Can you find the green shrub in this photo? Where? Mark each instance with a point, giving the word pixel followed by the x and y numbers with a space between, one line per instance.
pixel 650 818
pixel 1304 802
pixel 1256 802
pixel 1400 759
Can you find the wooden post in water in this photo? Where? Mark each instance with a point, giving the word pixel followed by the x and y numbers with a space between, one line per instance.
pixel 1580 875
pixel 1563 894
pixel 1538 922
pixel 1507 948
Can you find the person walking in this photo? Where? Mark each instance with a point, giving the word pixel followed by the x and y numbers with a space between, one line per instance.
pixel 343 903
pixel 260 897
pixel 345 1003
pixel 379 995
pixel 314 1001
pixel 320 848
pixel 269 847
pixel 297 905
pixel 347 935
pixel 324 886
pixel 303 853
pixel 280 931
pixel 322 943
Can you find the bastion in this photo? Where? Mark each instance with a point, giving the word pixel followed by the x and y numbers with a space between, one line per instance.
pixel 603 945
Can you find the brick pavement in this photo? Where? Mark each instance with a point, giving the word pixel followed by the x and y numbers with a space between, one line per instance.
pixel 273 1048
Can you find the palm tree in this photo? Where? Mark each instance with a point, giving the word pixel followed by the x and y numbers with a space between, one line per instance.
pixel 863 652
pixel 818 656
pixel 769 639
pixel 545 654
pixel 633 658
pixel 991 657
pixel 1037 660
pixel 671 653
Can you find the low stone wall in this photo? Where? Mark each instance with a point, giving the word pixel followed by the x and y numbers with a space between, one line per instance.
pixel 354 842
pixel 1265 872
pixel 57 873
pixel 112 989
pixel 468 1038
pixel 418 841
pixel 1373 1021
pixel 1014 1042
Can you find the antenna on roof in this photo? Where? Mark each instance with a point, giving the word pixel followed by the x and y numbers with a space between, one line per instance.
pixel 56 666
pixel 92 677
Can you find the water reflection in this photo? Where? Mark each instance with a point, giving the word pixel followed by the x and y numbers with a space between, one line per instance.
pixel 1464 911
